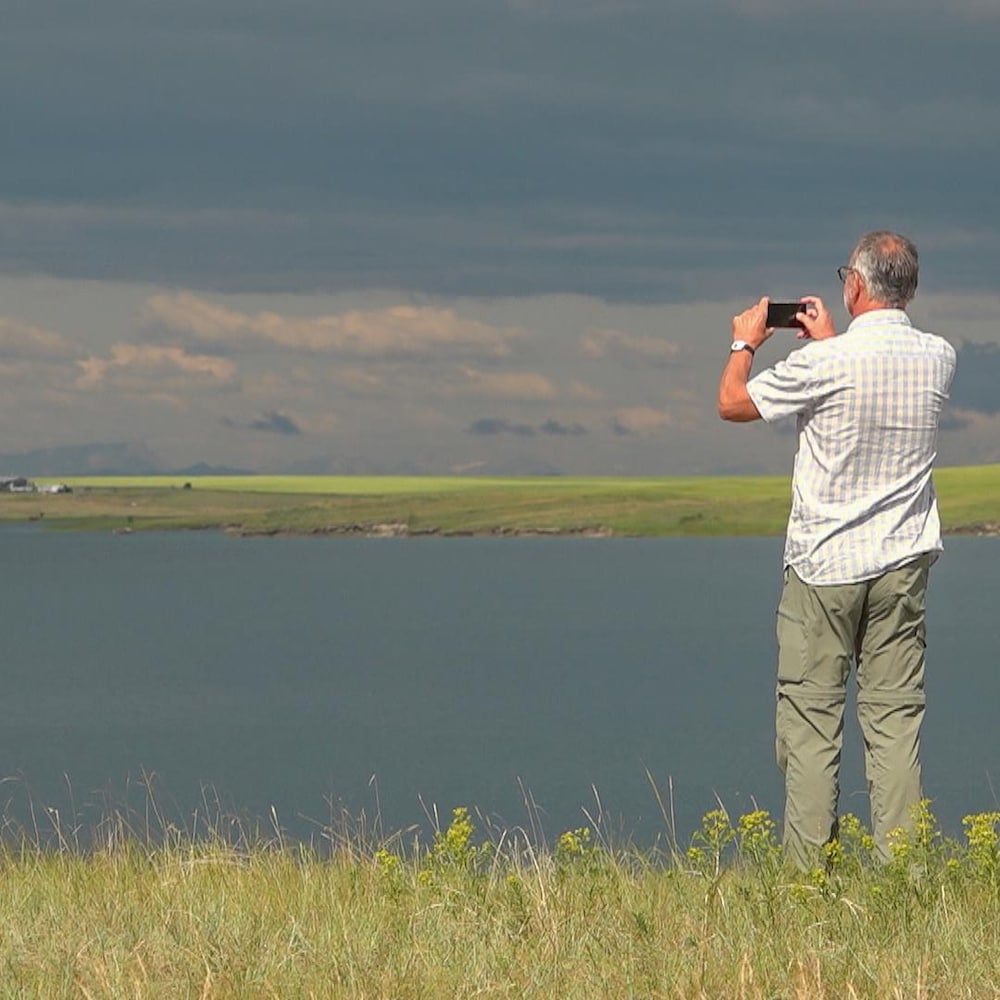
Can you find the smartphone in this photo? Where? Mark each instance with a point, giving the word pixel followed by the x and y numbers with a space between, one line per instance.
pixel 783 314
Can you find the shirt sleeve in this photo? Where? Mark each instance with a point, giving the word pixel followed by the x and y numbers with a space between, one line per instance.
pixel 786 389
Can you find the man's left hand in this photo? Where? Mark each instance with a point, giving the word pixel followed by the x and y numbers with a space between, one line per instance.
pixel 817 323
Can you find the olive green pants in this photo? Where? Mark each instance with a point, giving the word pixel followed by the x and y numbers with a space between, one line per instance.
pixel 821 630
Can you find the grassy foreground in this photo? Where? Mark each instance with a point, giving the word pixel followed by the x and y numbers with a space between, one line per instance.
pixel 699 505
pixel 501 918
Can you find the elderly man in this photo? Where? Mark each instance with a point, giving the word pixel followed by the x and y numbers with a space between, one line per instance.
pixel 862 534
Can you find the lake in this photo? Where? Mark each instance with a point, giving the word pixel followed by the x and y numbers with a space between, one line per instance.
pixel 389 677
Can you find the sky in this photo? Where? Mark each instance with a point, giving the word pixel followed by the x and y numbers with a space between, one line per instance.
pixel 469 236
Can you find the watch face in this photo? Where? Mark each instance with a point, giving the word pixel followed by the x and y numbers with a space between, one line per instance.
pixel 738 345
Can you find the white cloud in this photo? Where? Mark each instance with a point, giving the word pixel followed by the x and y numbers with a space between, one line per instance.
pixel 133 366
pixel 397 331
pixel 605 343
pixel 358 380
pixel 507 385
pixel 586 393
pixel 29 342
pixel 641 420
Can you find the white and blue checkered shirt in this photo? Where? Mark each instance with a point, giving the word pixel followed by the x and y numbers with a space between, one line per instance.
pixel 867 404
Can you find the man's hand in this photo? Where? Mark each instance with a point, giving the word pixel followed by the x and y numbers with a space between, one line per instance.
pixel 734 400
pixel 750 325
pixel 817 323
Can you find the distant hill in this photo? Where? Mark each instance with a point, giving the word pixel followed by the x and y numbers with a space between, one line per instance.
pixel 125 458
pixel 114 459
pixel 356 465
pixel 122 459
pixel 328 465
pixel 203 469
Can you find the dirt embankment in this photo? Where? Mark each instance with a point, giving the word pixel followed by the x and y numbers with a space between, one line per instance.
pixel 398 529
pixel 983 529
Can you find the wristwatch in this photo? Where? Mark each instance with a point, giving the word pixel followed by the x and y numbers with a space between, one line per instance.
pixel 742 345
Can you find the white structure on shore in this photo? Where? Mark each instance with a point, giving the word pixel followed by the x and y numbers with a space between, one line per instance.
pixel 21 484
pixel 17 484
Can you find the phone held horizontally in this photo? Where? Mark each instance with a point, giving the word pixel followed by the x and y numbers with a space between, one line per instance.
pixel 782 314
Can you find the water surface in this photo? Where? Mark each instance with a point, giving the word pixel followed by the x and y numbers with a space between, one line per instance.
pixel 397 675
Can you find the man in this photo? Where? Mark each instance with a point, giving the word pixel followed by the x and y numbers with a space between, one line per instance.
pixel 862 534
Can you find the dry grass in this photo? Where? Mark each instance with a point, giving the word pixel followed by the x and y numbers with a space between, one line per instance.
pixel 502 918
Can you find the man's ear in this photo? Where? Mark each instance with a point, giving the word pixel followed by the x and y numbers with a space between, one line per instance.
pixel 853 290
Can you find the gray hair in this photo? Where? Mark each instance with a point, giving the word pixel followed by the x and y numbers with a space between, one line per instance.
pixel 888 265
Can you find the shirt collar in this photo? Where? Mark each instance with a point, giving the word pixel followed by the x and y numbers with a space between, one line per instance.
pixel 879 317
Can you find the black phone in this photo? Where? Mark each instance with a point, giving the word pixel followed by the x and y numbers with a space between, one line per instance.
pixel 783 314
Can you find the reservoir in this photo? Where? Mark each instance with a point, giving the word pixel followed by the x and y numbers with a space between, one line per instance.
pixel 540 681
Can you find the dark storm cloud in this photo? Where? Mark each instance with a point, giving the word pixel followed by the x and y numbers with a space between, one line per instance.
pixel 977 379
pixel 271 422
pixel 629 149
pixel 276 423
pixel 494 426
pixel 558 429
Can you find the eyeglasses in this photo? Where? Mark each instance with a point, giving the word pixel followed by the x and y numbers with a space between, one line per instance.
pixel 842 272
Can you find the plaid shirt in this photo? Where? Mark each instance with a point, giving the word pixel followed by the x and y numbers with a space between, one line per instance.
pixel 867 404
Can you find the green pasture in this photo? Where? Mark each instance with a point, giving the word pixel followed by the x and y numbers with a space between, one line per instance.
pixel 694 505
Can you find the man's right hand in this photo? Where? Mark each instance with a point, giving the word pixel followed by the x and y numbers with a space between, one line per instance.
pixel 817 323
pixel 751 325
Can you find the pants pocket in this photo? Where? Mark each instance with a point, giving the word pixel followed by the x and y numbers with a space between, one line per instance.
pixel 792 637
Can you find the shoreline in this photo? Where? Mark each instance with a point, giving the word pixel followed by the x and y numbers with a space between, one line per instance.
pixel 392 529
pixel 984 529
pixel 396 529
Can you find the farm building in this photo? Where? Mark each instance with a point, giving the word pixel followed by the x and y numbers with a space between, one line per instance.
pixel 17 484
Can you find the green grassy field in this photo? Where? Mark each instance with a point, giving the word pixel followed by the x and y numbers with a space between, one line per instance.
pixel 501 916
pixel 701 505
